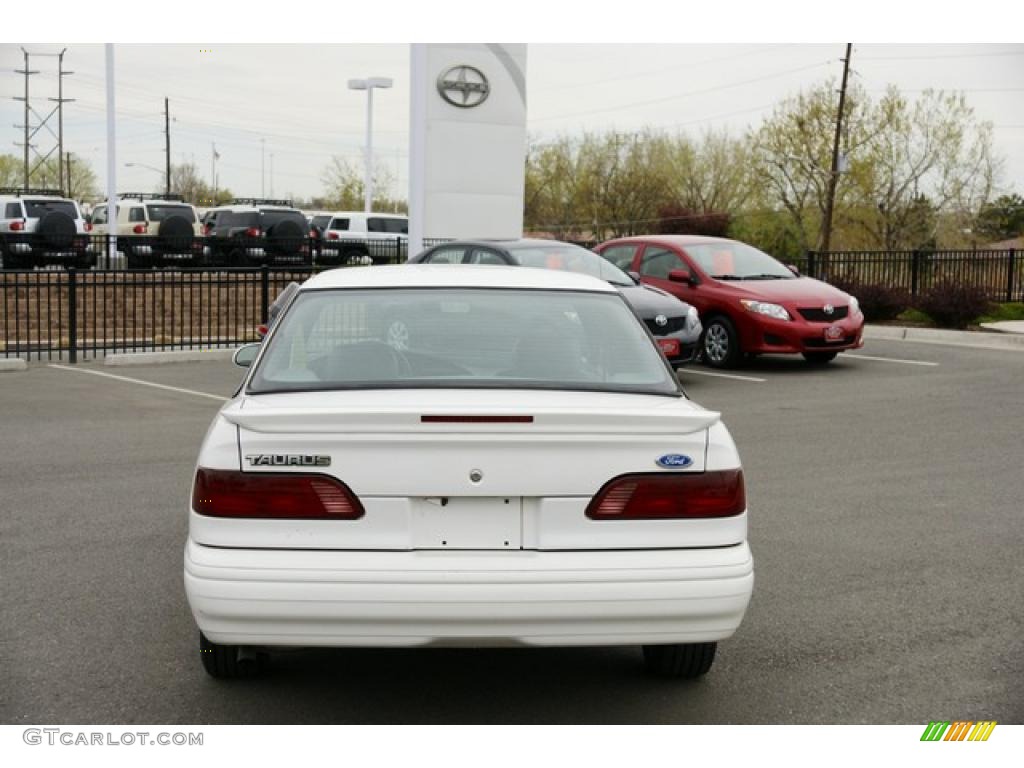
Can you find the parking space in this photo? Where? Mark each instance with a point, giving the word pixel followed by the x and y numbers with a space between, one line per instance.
pixel 885 493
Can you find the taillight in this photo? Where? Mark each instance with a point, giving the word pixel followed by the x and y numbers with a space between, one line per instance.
pixel 332 236
pixel 207 228
pixel 139 229
pixel 88 227
pixel 252 232
pixel 262 330
pixel 314 234
pixel 292 496
pixel 17 226
pixel 670 495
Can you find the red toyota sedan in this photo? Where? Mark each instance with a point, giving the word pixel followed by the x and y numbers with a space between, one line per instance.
pixel 749 303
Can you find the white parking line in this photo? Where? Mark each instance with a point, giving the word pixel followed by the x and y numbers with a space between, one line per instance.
pixel 891 360
pixel 140 381
pixel 723 375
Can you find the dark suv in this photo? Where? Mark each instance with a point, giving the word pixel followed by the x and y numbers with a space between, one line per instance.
pixel 253 232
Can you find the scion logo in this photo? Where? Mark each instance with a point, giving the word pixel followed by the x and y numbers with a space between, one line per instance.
pixel 287 460
pixel 463 86
pixel 961 730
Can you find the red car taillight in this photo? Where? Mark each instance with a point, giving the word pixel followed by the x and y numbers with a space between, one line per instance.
pixel 332 236
pixel 88 227
pixel 139 229
pixel 17 226
pixel 252 232
pixel 292 496
pixel 670 495
pixel 207 228
pixel 262 330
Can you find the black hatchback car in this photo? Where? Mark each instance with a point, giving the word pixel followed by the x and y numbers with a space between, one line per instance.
pixel 674 324
pixel 254 232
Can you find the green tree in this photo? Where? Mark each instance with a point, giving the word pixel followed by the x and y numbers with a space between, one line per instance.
pixel 47 175
pixel 1002 219
pixel 187 182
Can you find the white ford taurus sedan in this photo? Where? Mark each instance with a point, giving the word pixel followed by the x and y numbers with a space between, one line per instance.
pixel 523 469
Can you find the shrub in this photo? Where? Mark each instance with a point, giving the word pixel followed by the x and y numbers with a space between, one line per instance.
pixel 953 305
pixel 878 302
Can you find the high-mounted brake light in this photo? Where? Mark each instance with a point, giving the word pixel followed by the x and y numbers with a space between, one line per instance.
pixel 670 495
pixel 292 496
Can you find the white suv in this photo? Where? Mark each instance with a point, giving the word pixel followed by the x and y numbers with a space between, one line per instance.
pixel 356 237
pixel 40 227
pixel 155 230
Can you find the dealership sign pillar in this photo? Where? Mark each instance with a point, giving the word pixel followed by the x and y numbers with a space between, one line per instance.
pixel 467 141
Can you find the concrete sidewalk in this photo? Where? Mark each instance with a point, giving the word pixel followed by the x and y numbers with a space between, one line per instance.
pixel 1005 326
pixel 1008 340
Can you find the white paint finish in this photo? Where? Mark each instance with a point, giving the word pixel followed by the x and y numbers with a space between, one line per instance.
pixel 220 446
pixel 140 382
pixel 467 598
pixel 455 276
pixel 472 523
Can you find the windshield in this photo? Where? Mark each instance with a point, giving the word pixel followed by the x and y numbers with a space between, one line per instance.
pixel 569 258
pixel 461 338
pixel 161 212
pixel 737 261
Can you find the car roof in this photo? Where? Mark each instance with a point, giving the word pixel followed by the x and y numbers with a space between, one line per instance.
pixel 371 213
pixel 506 243
pixel 455 275
pixel 677 240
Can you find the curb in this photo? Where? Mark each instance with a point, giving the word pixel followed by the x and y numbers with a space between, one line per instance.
pixel 175 356
pixel 975 339
pixel 13 364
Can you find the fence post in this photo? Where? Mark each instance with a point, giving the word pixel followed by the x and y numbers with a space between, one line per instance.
pixel 72 315
pixel 1011 265
pixel 264 294
pixel 810 264
pixel 915 271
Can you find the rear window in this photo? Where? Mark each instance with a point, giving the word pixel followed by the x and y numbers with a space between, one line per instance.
pixel 161 212
pixel 569 258
pixel 12 211
pixel 271 217
pixel 36 209
pixel 461 338
pixel 229 219
pixel 390 226
pixel 339 224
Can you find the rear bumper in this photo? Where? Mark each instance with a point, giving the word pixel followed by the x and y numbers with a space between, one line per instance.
pixel 465 598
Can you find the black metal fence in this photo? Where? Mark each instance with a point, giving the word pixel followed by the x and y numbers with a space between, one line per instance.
pixel 73 315
pixel 999 273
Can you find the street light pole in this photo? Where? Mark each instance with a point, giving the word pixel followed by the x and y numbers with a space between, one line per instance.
pixel 368 85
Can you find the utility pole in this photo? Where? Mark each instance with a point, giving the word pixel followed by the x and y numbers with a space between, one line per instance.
pixel 167 143
pixel 825 240
pixel 67 164
pixel 26 72
pixel 60 114
pixel 271 174
pixel 263 171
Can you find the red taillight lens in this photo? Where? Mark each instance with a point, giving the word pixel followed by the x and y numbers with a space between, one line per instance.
pixel 332 236
pixel 139 229
pixel 88 227
pixel 207 228
pixel 292 496
pixel 17 226
pixel 252 232
pixel 262 330
pixel 669 495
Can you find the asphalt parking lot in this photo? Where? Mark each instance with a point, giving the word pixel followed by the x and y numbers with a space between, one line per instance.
pixel 885 493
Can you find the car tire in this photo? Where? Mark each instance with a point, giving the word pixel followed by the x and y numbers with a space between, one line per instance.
pixel 225 662
pixel 682 660
pixel 356 257
pixel 719 343
pixel 236 259
pixel 820 358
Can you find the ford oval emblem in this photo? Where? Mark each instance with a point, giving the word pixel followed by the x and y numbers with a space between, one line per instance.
pixel 674 461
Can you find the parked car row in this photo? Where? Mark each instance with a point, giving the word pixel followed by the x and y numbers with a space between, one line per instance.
pixel 42 228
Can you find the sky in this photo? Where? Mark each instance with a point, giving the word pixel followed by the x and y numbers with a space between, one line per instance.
pixel 278 112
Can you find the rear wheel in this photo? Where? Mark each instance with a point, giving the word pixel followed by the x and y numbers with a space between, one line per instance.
pixel 228 661
pixel 685 660
pixel 720 344
pixel 820 358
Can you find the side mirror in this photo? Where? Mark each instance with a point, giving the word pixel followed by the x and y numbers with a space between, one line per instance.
pixel 635 276
pixel 792 268
pixel 245 356
pixel 681 276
